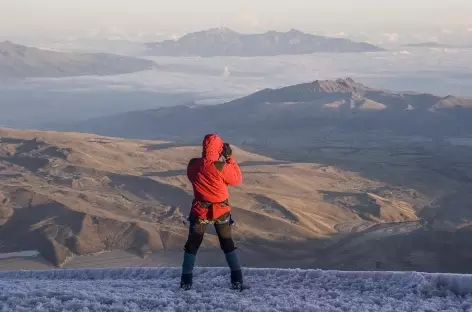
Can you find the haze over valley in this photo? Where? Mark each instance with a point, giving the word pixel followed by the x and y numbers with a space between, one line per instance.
pixel 34 102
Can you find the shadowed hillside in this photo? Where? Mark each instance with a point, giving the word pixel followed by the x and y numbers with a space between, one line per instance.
pixel 332 107
pixel 69 194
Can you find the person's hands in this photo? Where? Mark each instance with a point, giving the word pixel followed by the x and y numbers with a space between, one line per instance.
pixel 227 151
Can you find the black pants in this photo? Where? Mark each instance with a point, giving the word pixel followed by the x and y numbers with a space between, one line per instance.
pixel 197 231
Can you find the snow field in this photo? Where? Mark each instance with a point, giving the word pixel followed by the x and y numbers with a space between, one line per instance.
pixel 156 289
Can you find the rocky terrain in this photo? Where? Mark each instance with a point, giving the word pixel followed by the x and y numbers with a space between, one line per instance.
pixel 18 61
pixel 226 42
pixel 70 194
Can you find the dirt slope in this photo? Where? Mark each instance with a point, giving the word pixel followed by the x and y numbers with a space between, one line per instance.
pixel 67 194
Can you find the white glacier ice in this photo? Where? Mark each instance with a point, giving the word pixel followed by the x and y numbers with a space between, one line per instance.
pixel 156 289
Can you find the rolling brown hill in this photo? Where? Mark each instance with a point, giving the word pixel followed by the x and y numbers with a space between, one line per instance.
pixel 65 194
pixel 69 194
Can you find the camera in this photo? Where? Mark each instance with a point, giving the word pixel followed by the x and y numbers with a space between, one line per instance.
pixel 227 151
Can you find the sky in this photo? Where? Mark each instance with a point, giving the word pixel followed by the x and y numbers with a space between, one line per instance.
pixel 59 16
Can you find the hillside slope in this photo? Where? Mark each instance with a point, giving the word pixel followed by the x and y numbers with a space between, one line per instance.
pixel 141 289
pixel 67 194
pixel 17 61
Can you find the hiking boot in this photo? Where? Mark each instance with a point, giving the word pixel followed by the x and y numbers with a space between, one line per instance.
pixel 237 276
pixel 237 280
pixel 186 281
pixel 237 286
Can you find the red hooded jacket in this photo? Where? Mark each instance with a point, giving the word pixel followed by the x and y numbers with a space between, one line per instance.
pixel 210 178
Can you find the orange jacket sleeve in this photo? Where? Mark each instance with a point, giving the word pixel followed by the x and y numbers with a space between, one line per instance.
pixel 231 172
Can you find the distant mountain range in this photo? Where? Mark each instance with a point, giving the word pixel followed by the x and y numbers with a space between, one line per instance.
pixel 342 105
pixel 226 42
pixel 18 61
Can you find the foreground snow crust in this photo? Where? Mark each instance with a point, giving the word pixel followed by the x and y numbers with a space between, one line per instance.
pixel 156 289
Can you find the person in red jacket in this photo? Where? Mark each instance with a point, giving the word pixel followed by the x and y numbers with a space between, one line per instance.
pixel 210 178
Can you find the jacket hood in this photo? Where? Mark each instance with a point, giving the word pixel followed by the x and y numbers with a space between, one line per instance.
pixel 212 147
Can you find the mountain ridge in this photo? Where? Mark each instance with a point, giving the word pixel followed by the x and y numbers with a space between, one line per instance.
pixel 344 102
pixel 19 61
pixel 226 42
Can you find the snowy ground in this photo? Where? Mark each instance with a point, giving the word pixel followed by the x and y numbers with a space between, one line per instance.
pixel 156 289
